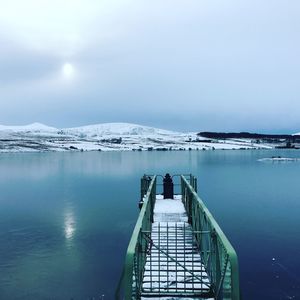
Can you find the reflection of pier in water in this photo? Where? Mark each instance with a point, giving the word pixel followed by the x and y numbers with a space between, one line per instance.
pixel 177 249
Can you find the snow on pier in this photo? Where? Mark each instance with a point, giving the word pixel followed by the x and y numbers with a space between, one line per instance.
pixel 173 265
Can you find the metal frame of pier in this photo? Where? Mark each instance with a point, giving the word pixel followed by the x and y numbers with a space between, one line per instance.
pixel 198 251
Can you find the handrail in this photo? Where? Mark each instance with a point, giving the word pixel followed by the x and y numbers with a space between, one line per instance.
pixel 137 249
pixel 219 257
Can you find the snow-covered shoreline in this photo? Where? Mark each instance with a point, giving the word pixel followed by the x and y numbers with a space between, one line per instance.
pixel 38 137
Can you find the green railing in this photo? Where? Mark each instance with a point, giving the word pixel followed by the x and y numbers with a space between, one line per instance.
pixel 218 255
pixel 138 246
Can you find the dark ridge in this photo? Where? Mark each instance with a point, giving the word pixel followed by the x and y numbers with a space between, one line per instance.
pixel 245 135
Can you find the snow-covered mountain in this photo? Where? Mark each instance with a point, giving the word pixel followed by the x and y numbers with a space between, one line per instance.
pixel 34 127
pixel 109 137
pixel 116 129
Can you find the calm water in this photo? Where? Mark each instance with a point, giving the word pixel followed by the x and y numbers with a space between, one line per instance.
pixel 66 218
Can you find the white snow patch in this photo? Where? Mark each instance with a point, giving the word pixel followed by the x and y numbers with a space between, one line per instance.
pixel 279 159
pixel 168 206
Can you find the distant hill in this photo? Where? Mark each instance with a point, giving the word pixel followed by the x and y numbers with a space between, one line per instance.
pixel 132 137
pixel 91 130
pixel 246 135
pixel 117 129
pixel 34 127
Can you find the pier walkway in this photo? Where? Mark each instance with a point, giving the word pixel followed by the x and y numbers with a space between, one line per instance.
pixel 173 264
pixel 177 250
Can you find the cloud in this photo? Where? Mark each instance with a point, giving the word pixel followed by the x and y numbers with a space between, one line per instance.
pixel 20 64
pixel 59 27
pixel 190 64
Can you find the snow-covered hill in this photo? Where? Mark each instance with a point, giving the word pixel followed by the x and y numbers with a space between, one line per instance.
pixel 116 129
pixel 108 137
pixel 34 127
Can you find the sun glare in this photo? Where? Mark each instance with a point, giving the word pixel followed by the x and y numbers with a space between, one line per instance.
pixel 68 70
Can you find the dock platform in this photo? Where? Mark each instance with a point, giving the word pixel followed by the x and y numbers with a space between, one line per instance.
pixel 177 250
pixel 173 264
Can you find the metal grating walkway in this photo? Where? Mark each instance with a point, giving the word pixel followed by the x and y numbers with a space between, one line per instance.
pixel 177 249
pixel 174 266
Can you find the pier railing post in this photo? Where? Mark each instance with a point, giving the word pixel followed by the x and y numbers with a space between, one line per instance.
pixel 138 245
pixel 219 257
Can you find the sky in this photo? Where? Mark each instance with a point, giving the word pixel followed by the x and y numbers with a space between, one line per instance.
pixel 200 65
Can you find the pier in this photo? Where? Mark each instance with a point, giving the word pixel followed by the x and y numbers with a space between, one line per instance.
pixel 177 250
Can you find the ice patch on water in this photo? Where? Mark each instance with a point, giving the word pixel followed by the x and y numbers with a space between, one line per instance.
pixel 279 159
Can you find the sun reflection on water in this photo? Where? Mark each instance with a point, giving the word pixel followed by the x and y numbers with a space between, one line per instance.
pixel 69 224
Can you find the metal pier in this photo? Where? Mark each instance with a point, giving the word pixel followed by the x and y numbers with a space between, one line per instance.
pixel 177 250
pixel 173 263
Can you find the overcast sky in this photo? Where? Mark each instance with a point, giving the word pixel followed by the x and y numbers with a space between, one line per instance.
pixel 227 65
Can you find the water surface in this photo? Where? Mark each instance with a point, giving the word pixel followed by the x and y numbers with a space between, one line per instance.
pixel 66 218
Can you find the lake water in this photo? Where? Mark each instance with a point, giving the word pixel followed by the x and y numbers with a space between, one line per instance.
pixel 66 218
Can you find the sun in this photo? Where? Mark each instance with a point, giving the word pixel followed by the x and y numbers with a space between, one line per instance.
pixel 67 70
